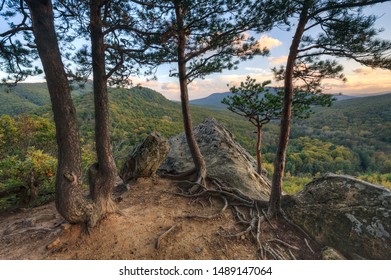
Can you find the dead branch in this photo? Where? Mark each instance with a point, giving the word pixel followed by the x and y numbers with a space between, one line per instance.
pixel 308 245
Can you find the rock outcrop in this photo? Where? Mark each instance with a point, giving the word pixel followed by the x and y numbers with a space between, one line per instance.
pixel 345 213
pixel 145 158
pixel 225 159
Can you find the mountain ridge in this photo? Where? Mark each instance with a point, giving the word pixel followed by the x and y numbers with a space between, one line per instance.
pixel 358 129
pixel 213 100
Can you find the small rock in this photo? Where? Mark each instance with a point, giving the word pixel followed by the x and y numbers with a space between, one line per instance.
pixel 198 250
pixel 56 243
pixel 145 158
pixel 329 253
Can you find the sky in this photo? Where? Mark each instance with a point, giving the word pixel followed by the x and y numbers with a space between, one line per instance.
pixel 361 80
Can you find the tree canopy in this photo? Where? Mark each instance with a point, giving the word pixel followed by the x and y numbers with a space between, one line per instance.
pixel 260 105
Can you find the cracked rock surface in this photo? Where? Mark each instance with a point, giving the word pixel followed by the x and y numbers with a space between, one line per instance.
pixel 346 213
pixel 224 157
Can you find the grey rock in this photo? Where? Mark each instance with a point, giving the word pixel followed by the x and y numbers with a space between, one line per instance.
pixel 225 159
pixel 345 213
pixel 329 253
pixel 145 158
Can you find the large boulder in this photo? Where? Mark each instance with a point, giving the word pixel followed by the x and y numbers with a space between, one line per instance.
pixel 145 158
pixel 348 214
pixel 225 159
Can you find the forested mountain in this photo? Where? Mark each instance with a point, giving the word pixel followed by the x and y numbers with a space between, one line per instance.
pixel 26 97
pixel 351 137
pixel 357 131
pixel 362 125
pixel 213 101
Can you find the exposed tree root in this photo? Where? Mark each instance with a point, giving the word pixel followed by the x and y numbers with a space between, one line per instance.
pixel 186 175
pixel 250 215
pixel 213 215
pixel 190 178
pixel 284 243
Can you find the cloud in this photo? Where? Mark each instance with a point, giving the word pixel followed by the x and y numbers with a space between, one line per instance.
pixel 236 79
pixel 277 60
pixel 255 70
pixel 363 81
pixel 363 71
pixel 170 86
pixel 269 42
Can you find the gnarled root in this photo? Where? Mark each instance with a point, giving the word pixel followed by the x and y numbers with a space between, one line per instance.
pixel 189 179
pixel 250 215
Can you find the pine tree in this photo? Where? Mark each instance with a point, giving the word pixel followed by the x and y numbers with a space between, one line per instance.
pixel 260 105
pixel 345 31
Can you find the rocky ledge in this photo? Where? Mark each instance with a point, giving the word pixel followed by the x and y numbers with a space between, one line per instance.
pixel 348 214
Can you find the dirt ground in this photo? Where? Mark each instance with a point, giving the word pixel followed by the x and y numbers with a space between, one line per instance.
pixel 152 226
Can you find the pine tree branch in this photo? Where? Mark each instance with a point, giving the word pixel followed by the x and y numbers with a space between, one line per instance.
pixel 355 4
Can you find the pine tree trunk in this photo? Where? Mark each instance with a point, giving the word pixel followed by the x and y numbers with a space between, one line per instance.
pixel 191 141
pixel 70 202
pixel 102 185
pixel 259 153
pixel 285 126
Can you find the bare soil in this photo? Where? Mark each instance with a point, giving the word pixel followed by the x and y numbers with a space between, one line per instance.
pixel 152 225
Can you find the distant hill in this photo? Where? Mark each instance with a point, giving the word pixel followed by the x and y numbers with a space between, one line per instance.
pixel 213 101
pixel 23 98
pixel 138 111
pixel 27 97
pixel 340 97
pixel 365 116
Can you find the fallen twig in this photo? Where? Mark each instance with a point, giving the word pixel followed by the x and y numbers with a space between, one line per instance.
pixel 292 255
pixel 308 245
pixel 163 235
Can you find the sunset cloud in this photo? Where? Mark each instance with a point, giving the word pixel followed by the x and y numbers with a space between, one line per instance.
pixel 254 70
pixel 363 81
pixel 277 60
pixel 170 86
pixel 269 42
pixel 363 71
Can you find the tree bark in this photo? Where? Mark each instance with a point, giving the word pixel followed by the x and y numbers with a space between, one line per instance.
pixel 285 126
pixel 259 153
pixel 103 183
pixel 70 202
pixel 197 157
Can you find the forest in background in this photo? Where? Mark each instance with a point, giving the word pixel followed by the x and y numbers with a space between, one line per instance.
pixel 351 137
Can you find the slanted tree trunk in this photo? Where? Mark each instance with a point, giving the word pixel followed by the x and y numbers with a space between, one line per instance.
pixel 259 153
pixel 200 166
pixel 285 126
pixel 70 202
pixel 103 183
